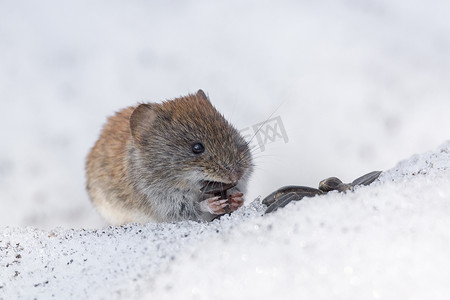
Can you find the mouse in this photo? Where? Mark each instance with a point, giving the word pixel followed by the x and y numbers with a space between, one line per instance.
pixel 157 162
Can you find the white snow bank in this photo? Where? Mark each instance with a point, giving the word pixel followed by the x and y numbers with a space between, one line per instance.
pixel 356 83
pixel 387 241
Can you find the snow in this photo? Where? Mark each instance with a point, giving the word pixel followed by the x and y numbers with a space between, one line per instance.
pixel 389 240
pixel 358 85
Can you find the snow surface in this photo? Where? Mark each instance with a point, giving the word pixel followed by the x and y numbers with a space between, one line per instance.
pixel 390 240
pixel 357 84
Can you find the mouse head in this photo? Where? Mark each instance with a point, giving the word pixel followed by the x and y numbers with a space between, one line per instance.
pixel 187 141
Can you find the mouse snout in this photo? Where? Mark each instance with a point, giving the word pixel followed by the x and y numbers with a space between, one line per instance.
pixel 234 176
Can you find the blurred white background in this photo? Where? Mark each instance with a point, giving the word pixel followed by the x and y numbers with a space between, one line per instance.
pixel 359 85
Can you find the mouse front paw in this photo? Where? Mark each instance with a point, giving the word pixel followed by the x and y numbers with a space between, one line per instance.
pixel 236 200
pixel 214 205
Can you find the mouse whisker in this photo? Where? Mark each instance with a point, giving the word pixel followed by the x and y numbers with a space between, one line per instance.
pixel 264 123
pixel 243 156
pixel 204 190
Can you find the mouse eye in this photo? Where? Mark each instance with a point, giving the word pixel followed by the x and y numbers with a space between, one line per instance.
pixel 198 148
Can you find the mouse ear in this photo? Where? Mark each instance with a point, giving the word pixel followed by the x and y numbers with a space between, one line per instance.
pixel 141 120
pixel 201 94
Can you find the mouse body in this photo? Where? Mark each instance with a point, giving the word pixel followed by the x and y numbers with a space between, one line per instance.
pixel 153 161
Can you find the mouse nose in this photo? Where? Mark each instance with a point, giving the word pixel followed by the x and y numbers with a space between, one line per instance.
pixel 234 177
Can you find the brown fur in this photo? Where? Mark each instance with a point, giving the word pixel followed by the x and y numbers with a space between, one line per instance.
pixel 142 168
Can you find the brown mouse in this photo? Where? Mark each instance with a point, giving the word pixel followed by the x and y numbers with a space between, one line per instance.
pixel 152 163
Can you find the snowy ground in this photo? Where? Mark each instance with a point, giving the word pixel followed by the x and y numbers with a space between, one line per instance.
pixel 358 85
pixel 387 241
